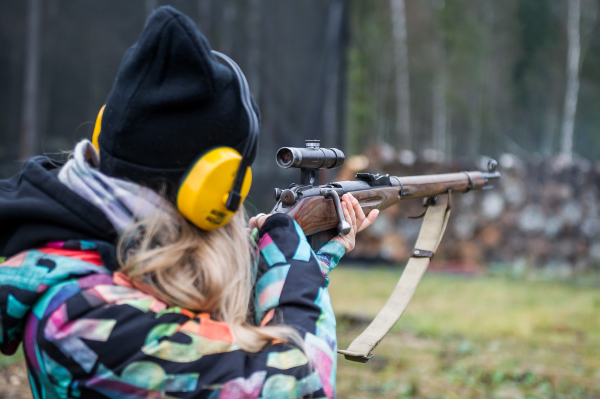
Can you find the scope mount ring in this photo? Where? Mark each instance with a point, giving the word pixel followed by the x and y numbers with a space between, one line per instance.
pixel 309 176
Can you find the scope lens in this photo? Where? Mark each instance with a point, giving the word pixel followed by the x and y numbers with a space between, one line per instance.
pixel 285 157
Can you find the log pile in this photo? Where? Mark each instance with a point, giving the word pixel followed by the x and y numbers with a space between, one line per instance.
pixel 543 214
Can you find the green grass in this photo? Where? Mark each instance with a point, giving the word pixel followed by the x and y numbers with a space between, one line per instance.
pixel 8 360
pixel 486 337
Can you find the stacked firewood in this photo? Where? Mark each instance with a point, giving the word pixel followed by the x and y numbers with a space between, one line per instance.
pixel 542 214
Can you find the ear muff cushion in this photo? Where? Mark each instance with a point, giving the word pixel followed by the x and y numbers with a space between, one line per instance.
pixel 203 191
pixel 98 128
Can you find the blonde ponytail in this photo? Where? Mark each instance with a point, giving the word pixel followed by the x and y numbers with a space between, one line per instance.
pixel 201 271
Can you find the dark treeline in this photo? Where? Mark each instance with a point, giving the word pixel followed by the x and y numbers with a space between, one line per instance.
pixel 291 52
pixel 459 77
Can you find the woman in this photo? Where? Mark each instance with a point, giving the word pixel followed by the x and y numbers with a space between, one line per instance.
pixel 115 294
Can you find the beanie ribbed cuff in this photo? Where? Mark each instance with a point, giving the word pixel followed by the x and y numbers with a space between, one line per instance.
pixel 160 180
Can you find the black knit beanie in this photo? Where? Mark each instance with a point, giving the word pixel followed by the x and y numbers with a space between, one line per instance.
pixel 171 102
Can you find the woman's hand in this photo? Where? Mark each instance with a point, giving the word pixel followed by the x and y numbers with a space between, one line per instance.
pixel 354 215
pixel 257 221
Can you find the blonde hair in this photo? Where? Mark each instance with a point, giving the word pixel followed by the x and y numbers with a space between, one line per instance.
pixel 201 271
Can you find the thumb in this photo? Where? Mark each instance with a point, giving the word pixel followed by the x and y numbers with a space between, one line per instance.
pixel 369 219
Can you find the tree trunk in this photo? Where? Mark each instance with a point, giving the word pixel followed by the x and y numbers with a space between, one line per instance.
pixel 572 91
pixel 28 144
pixel 229 17
pixel 481 92
pixel 16 75
pixel 402 74
pixel 439 87
pixel 332 78
pixel 254 47
pixel 551 122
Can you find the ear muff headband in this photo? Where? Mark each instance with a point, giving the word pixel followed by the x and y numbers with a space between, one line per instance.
pixel 235 198
pixel 206 195
pixel 219 181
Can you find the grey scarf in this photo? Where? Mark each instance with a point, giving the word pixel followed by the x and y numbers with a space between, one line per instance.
pixel 123 202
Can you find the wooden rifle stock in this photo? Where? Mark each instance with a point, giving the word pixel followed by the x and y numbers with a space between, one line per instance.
pixel 317 215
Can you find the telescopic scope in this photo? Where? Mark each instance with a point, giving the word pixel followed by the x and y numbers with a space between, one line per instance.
pixel 312 157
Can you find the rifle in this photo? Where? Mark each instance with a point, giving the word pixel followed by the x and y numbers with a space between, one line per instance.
pixel 318 211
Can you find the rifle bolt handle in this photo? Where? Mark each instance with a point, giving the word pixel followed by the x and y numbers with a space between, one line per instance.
pixel 343 227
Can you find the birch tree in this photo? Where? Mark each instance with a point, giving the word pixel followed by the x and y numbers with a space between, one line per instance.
pixel 29 121
pixel 402 74
pixel 572 90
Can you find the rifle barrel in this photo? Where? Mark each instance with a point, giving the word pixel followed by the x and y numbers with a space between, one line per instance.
pixel 431 185
pixel 316 214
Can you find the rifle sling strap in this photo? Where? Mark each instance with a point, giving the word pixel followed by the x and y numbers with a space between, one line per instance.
pixel 432 230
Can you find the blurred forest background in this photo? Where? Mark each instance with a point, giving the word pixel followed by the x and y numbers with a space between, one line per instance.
pixel 445 78
pixel 409 87
pixel 402 87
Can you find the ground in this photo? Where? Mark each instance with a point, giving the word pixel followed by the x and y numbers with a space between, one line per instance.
pixel 483 337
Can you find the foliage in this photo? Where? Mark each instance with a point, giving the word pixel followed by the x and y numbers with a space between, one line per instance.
pixel 505 75
pixel 486 337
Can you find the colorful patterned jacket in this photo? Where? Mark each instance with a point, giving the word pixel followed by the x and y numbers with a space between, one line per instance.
pixel 87 333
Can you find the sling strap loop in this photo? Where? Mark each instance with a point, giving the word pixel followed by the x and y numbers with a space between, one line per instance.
pixel 432 230
pixel 470 186
pixel 421 253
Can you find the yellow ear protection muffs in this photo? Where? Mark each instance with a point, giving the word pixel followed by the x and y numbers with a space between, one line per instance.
pixel 216 185
pixel 218 182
